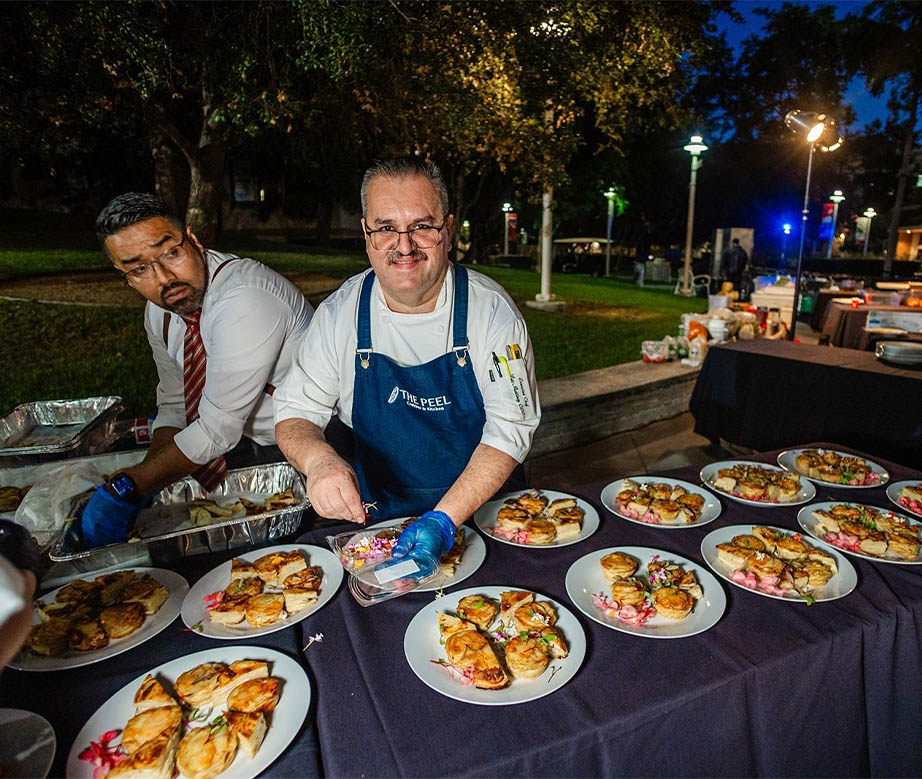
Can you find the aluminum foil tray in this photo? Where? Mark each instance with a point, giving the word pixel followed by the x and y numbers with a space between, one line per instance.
pixel 52 429
pixel 167 534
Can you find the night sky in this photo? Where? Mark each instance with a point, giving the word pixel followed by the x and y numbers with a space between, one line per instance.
pixel 867 108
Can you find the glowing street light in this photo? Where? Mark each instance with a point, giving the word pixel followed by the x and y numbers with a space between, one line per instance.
pixel 786 231
pixel 818 130
pixel 507 209
pixel 870 214
pixel 610 195
pixel 694 147
pixel 836 197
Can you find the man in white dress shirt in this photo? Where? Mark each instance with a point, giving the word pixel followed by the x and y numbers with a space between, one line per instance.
pixel 429 364
pixel 223 331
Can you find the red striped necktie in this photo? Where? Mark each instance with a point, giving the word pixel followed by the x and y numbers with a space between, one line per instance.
pixel 211 474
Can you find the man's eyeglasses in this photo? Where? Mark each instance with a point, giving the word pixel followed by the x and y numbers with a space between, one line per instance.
pixel 171 258
pixel 422 236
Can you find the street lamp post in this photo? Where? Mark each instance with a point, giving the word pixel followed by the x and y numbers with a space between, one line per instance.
pixel 507 209
pixel 610 195
pixel 786 231
pixel 694 147
pixel 817 129
pixel 836 197
pixel 870 214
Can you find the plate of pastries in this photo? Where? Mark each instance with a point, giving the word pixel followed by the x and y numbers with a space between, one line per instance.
pixel 828 466
pixel 466 555
pixel 538 518
pixel 656 500
pixel 757 484
pixel 646 592
pixel 494 646
pixel 262 591
pixel 778 563
pixel 864 531
pixel 907 495
pixel 94 618
pixel 228 712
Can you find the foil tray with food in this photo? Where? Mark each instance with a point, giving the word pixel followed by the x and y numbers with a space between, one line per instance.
pixel 254 505
pixel 55 429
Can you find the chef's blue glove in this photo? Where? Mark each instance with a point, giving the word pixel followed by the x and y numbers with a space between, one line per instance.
pixel 426 540
pixel 106 519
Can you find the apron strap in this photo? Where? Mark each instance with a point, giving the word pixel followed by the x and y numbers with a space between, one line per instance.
pixel 460 344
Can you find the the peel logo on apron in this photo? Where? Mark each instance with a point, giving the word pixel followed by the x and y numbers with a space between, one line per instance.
pixel 437 403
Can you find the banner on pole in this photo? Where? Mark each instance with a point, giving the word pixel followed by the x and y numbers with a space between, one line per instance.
pixel 826 225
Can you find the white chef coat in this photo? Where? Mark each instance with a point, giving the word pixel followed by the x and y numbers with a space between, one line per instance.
pixel 322 377
pixel 252 321
pixel 13 597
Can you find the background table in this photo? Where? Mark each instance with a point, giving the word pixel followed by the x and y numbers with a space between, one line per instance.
pixel 845 325
pixel 773 689
pixel 67 699
pixel 764 394
pixel 822 302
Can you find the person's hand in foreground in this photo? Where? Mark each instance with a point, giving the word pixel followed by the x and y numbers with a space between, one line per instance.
pixel 107 518
pixel 425 541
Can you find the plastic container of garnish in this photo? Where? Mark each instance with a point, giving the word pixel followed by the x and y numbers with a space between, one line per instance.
pixel 376 574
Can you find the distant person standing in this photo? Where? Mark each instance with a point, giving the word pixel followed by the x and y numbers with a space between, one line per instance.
pixel 641 251
pixel 735 263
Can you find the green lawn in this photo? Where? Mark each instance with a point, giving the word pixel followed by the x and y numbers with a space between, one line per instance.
pixel 56 351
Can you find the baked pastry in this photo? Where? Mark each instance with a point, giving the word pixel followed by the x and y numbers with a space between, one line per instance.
pixel 524 657
pixel 628 592
pixel 122 619
pixel 250 728
pixel 206 752
pixel 153 760
pixel 299 598
pixel 112 584
pixel 78 591
pixel 510 601
pixel 265 609
pixel 230 611
pixel 535 616
pixel 196 686
pixel 241 569
pixel 50 638
pixel 147 591
pixel 255 695
pixel 672 603
pixel 69 611
pixel 512 518
pixel 567 528
pixel 551 640
pixel 448 562
pixel 478 609
pixel 691 500
pixel 149 724
pixel 665 510
pixel 87 636
pixel 618 565
pixel 274 568
pixel 448 624
pixel 281 500
pixel 560 505
pixel 469 651
pixel 540 531
pixel 533 502
pixel 736 557
pixel 749 541
pixel 244 587
pixel 151 695
pixel 307 578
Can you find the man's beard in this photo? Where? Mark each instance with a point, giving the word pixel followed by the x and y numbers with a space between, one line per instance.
pixel 184 306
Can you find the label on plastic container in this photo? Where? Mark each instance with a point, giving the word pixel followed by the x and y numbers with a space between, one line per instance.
pixel 386 574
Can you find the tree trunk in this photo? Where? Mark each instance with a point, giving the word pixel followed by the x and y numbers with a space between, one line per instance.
pixel 171 172
pixel 905 166
pixel 205 190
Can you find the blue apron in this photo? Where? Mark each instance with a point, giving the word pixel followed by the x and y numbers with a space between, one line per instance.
pixel 415 427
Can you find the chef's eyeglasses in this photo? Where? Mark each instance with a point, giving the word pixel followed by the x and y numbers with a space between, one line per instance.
pixel 171 258
pixel 422 236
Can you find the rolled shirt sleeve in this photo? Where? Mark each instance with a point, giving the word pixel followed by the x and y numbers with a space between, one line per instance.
pixel 243 343
pixel 312 389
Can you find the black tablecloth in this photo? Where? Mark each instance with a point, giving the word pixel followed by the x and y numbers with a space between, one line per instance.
pixel 764 394
pixel 821 305
pixel 67 699
pixel 845 325
pixel 774 688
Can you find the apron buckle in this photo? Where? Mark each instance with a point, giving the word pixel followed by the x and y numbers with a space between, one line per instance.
pixel 461 355
pixel 363 356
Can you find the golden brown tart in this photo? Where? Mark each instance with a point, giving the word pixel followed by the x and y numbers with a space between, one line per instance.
pixel 122 619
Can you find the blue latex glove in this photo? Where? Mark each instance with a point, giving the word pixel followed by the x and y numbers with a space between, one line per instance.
pixel 106 519
pixel 426 540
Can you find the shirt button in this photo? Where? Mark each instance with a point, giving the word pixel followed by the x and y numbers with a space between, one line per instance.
pixel 441 328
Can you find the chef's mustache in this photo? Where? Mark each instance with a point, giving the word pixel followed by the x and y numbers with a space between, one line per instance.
pixel 164 291
pixel 416 254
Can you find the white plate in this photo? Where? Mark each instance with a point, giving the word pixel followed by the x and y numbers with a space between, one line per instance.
pixel 805 494
pixel 585 579
pixel 485 519
pixel 709 512
pixel 27 743
pixel 840 585
pixel 195 615
pixel 475 552
pixel 788 461
pixel 284 722
pixel 807 522
pixel 421 645
pixel 893 493
pixel 177 587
